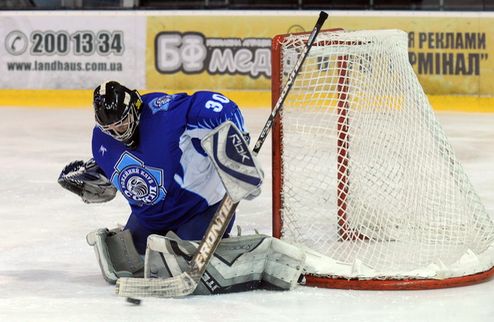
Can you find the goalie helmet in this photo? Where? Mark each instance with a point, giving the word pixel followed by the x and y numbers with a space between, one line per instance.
pixel 117 111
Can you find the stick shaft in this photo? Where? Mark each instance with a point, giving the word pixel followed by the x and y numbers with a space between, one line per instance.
pixel 289 83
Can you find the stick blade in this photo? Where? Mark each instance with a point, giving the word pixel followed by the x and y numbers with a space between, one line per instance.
pixel 177 286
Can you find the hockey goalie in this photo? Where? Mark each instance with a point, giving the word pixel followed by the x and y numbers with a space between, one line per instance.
pixel 174 157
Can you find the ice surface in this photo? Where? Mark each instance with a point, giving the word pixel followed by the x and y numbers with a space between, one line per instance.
pixel 49 273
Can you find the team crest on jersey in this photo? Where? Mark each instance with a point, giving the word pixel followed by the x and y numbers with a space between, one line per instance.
pixel 140 184
pixel 160 103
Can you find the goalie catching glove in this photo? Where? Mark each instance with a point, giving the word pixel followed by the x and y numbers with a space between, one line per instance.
pixel 87 180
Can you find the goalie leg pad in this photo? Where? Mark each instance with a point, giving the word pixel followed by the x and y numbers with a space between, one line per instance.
pixel 284 265
pixel 116 254
pixel 239 264
pixel 161 260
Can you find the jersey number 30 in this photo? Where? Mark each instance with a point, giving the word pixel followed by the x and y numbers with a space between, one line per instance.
pixel 217 102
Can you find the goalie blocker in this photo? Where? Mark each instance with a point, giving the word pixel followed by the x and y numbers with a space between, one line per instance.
pixel 237 167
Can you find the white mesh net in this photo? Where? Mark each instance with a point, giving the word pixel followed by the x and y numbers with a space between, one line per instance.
pixel 368 176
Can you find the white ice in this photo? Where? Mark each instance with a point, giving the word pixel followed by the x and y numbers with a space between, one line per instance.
pixel 49 273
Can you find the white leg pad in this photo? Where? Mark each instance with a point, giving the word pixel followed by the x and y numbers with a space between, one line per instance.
pixel 284 264
pixel 240 263
pixel 97 239
pixel 116 254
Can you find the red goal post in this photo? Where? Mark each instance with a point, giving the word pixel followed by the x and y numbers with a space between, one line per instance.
pixel 363 175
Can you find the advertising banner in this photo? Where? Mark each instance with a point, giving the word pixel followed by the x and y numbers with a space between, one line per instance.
pixel 70 50
pixel 448 51
pixel 215 51
pixel 222 50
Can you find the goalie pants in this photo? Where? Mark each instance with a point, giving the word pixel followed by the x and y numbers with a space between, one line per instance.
pixel 193 229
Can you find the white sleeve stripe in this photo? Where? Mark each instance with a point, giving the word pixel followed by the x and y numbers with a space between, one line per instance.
pixel 240 123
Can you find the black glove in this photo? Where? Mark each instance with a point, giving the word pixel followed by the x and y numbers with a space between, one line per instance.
pixel 87 180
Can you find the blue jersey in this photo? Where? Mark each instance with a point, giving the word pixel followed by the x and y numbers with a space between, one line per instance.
pixel 168 178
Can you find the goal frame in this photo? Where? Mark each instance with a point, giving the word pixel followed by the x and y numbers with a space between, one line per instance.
pixel 342 146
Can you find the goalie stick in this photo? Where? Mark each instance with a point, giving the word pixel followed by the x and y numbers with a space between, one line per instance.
pixel 185 283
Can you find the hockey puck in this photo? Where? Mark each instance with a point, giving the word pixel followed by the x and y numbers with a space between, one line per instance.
pixel 133 301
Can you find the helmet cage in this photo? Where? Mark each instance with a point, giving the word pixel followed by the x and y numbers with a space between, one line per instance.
pixel 124 128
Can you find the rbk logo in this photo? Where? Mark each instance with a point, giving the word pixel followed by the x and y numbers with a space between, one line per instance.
pixel 240 147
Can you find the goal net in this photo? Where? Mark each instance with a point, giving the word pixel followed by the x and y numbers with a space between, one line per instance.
pixel 363 174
